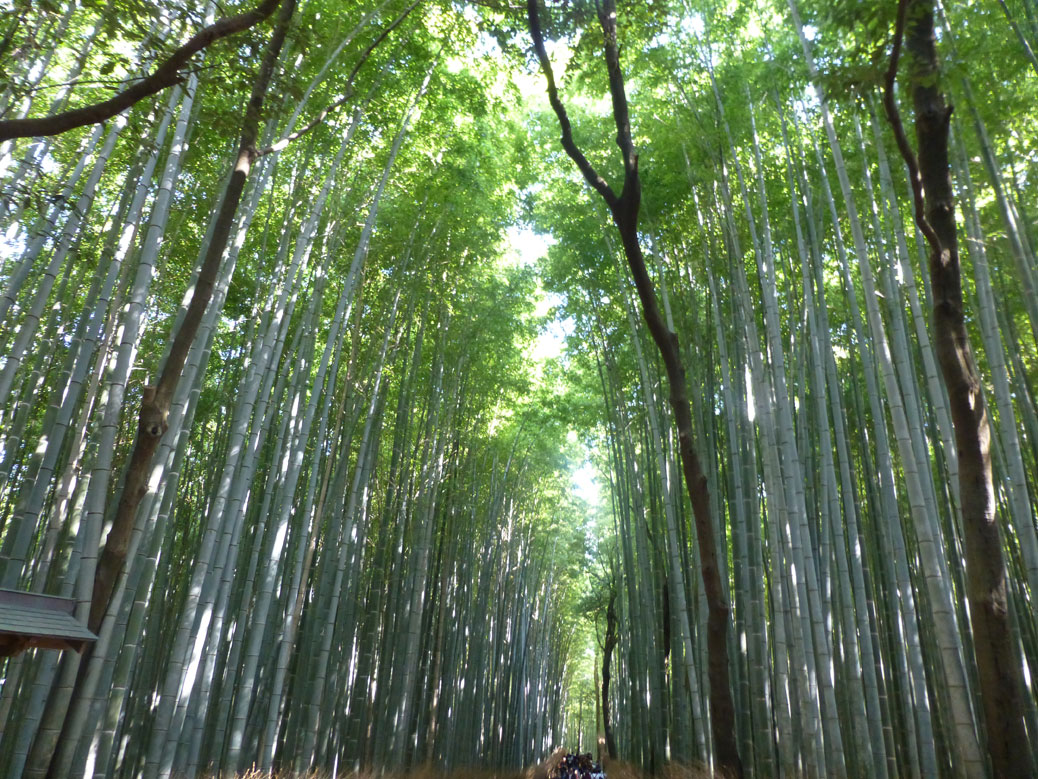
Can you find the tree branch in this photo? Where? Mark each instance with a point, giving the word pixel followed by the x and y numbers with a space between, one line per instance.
pixel 894 117
pixel 621 112
pixel 167 74
pixel 592 176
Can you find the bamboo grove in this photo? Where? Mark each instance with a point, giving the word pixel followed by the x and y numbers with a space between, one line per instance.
pixel 272 415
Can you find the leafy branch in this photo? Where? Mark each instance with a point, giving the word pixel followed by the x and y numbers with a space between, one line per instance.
pixel 894 117
pixel 166 75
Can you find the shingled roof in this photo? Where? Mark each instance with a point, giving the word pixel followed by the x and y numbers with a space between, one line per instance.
pixel 32 620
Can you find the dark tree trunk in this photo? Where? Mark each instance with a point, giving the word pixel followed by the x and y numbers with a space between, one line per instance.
pixel 607 656
pixel 155 404
pixel 997 655
pixel 624 209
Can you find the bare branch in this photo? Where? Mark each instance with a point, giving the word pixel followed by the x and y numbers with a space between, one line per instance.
pixel 621 112
pixel 894 117
pixel 590 174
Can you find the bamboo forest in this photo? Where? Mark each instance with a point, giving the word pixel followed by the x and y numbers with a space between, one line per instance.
pixel 518 388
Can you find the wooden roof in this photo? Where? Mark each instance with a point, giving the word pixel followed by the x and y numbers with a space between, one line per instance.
pixel 31 620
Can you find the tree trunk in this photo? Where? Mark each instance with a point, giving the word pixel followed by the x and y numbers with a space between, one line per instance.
pixel 607 656
pixel 998 661
pixel 152 421
pixel 624 210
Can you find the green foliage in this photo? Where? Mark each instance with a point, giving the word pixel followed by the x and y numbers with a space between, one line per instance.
pixel 712 85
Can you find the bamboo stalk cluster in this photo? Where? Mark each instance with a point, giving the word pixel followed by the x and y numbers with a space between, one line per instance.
pixel 337 559
pixel 354 549
pixel 791 266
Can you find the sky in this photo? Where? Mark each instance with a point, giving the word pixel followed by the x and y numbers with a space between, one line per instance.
pixel 526 248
